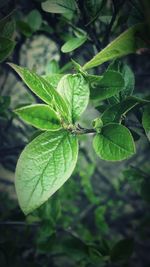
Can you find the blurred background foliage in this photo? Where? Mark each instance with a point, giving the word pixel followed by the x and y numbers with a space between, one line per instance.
pixel 100 217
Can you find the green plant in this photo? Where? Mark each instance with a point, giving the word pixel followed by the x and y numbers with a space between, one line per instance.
pixel 49 160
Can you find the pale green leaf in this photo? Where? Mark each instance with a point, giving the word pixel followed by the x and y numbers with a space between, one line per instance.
pixel 146 121
pixel 42 89
pixel 53 79
pixel 110 84
pixel 124 44
pixel 43 167
pixel 6 48
pixel 73 44
pixel 75 90
pixel 114 143
pixel 40 116
pixel 59 6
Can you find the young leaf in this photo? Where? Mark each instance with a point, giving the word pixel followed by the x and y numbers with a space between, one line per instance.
pixel 40 116
pixel 110 84
pixel 44 166
pixel 42 89
pixel 146 121
pixel 114 142
pixel 6 48
pixel 52 67
pixel 75 90
pixel 123 45
pixel 59 6
pixel 73 44
pixel 115 112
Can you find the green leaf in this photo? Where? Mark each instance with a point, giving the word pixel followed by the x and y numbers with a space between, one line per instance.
pixel 52 67
pixel 116 112
pixel 24 28
pixel 43 167
pixel 73 44
pixel 114 142
pixel 128 76
pixel 40 116
pixel 124 44
pixel 6 48
pixel 34 20
pixel 59 6
pixel 75 90
pixel 146 121
pixel 7 27
pixel 53 79
pixel 110 84
pixel 122 250
pixel 42 89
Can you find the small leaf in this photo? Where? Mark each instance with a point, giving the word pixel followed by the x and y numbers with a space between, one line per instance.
pixel 115 112
pixel 122 250
pixel 43 167
pixel 42 89
pixel 34 20
pixel 114 142
pixel 124 44
pixel 75 90
pixel 73 44
pixel 146 121
pixel 110 84
pixel 59 6
pixel 6 48
pixel 40 116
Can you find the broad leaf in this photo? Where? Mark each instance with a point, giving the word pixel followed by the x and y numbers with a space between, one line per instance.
pixel 6 48
pixel 110 84
pixel 116 112
pixel 59 6
pixel 125 44
pixel 53 79
pixel 73 44
pixel 114 142
pixel 75 90
pixel 24 28
pixel 43 167
pixel 146 121
pixel 34 19
pixel 40 116
pixel 42 89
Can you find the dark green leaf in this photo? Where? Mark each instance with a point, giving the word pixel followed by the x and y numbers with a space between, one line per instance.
pixel 6 48
pixel 116 112
pixel 34 20
pixel 110 84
